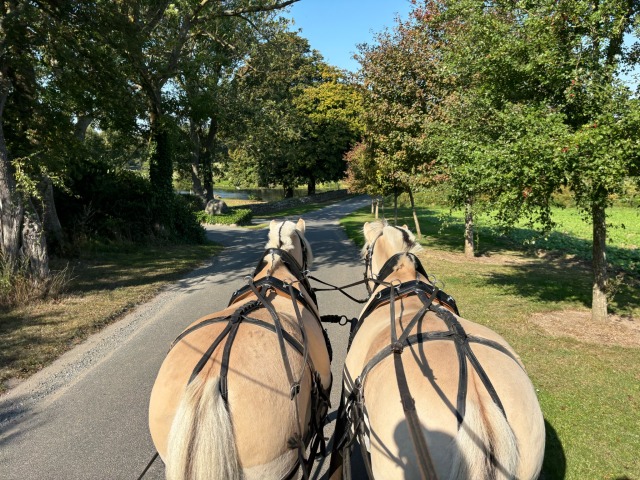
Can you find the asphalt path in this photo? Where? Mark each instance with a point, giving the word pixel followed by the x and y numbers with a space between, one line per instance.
pixel 85 416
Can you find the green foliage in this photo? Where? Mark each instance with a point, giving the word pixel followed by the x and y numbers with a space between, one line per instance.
pixel 194 202
pixel 237 216
pixel 332 110
pixel 118 206
pixel 185 226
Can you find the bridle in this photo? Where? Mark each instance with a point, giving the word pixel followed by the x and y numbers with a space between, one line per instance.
pixel 387 268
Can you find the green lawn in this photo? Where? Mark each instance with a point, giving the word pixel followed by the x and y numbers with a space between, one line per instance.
pixel 589 392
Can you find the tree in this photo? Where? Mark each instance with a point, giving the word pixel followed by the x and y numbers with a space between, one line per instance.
pixel 23 239
pixel 512 88
pixel 534 81
pixel 275 73
pixel 155 36
pixel 574 52
pixel 332 110
pixel 402 88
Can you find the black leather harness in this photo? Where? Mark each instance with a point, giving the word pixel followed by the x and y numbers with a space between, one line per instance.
pixel 319 396
pixel 353 410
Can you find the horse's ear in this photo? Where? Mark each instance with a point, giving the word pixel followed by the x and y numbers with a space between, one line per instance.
pixel 272 224
pixel 300 226
pixel 366 229
pixel 405 226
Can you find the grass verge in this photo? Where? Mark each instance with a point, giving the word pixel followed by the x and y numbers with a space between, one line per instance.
pixel 102 288
pixel 589 392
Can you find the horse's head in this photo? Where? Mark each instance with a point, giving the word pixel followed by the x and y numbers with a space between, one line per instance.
pixel 289 237
pixel 383 241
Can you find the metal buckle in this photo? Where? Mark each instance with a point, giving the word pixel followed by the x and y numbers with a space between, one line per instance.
pixel 295 390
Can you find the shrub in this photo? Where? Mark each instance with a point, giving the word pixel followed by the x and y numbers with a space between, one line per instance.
pixel 186 226
pixel 120 206
pixel 236 216
pixel 107 205
pixel 194 202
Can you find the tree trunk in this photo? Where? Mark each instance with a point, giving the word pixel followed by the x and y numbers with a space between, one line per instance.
pixel 395 207
pixel 196 184
pixel 11 208
pixel 34 247
pixel 311 185
pixel 415 216
pixel 599 299
pixel 22 233
pixel 81 126
pixel 469 247
pixel 288 191
pixel 161 166
pixel 49 215
pixel 207 158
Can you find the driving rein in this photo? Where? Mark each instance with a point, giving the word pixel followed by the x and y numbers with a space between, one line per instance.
pixel 353 412
pixel 259 289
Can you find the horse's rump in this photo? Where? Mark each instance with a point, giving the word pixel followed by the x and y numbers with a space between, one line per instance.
pixel 433 371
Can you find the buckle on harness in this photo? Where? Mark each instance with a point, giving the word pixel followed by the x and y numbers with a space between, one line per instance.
pixel 397 347
pixel 295 390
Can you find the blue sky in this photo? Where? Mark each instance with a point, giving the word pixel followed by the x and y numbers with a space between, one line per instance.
pixel 336 27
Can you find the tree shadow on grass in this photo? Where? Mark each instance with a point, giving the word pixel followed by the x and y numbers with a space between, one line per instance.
pixel 561 280
pixel 447 231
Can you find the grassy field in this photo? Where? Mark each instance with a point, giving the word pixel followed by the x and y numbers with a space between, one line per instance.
pixel 587 376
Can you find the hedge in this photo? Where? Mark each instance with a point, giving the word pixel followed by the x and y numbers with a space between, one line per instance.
pixel 237 216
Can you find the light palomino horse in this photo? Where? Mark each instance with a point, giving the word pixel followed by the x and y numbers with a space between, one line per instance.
pixel 475 406
pixel 243 388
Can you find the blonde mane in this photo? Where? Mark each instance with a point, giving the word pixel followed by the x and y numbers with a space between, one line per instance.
pixel 281 236
pixel 378 228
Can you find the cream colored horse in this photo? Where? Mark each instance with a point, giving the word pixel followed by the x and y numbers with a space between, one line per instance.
pixel 479 442
pixel 252 431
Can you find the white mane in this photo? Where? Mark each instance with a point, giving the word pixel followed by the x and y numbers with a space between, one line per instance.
pixel 378 228
pixel 281 236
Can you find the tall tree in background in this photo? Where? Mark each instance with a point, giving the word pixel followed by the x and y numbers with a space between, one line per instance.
pixel 208 99
pixel 332 111
pixel 275 73
pixel 550 70
pixel 402 88
pixel 525 100
pixel 155 36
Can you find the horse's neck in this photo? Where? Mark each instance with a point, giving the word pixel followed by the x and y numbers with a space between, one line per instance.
pixel 277 270
pixel 405 271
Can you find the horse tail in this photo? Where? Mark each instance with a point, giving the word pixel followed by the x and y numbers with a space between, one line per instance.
pixel 201 443
pixel 485 446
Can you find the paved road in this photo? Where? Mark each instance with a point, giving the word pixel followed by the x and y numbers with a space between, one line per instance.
pixel 85 416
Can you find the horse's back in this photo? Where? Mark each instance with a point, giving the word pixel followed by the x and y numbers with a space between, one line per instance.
pixel 433 372
pixel 259 392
